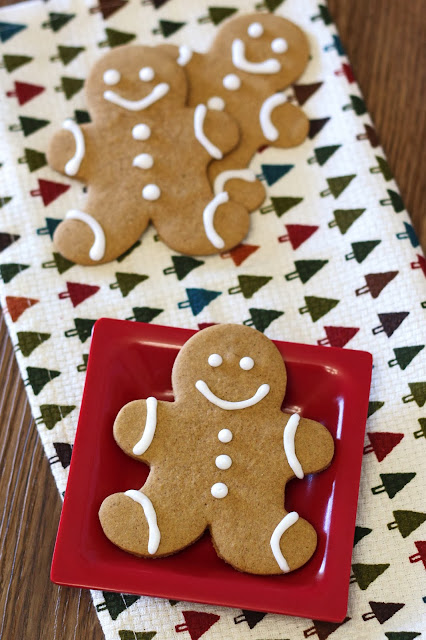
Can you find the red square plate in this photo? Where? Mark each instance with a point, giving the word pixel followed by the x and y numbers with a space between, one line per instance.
pixel 133 360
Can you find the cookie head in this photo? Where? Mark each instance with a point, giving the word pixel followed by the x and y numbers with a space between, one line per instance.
pixel 229 368
pixel 134 79
pixel 263 46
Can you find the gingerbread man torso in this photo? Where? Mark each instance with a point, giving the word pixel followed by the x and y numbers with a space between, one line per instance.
pixel 220 457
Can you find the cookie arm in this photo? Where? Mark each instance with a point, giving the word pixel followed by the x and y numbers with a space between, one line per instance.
pixel 283 124
pixel 308 445
pixel 219 128
pixel 68 150
pixel 135 428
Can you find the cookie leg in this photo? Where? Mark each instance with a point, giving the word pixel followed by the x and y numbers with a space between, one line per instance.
pixel 150 524
pixel 105 229
pixel 270 543
pixel 241 183
pixel 206 227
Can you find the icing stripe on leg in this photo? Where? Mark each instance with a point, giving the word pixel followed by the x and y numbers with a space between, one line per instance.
pixel 288 521
pixel 97 250
pixel 151 518
pixel 150 426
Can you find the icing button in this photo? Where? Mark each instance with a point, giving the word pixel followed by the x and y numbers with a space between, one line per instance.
pixel 223 462
pixel 225 435
pixel 143 161
pixel 151 192
pixel 231 82
pixel 216 103
pixel 141 132
pixel 219 490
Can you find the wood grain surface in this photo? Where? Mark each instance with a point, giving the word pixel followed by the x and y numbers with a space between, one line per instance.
pixel 385 43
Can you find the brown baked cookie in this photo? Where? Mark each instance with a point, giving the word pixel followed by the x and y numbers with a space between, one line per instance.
pixel 220 457
pixel 144 157
pixel 252 59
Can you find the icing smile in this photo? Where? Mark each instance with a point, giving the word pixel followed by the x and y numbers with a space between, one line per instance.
pixel 203 388
pixel 158 92
pixel 240 61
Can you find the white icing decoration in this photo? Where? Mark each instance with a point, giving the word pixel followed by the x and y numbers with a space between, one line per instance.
pixel 154 536
pixel 203 388
pixel 243 174
pixel 149 429
pixel 225 436
pixel 158 92
pixel 141 132
pixel 112 76
pixel 97 250
pixel 279 45
pixel 269 130
pixel 185 55
pixel 219 490
pixel 231 82
pixel 255 30
pixel 288 521
pixel 215 360
pixel 288 441
pixel 216 103
pixel 208 219
pixel 146 74
pixel 73 165
pixel 223 462
pixel 199 116
pixel 151 192
pixel 240 62
pixel 143 161
pixel 247 363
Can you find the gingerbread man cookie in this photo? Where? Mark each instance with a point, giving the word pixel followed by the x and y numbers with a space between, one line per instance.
pixel 220 457
pixel 252 60
pixel 144 157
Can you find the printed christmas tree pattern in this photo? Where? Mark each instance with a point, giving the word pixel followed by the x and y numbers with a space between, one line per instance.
pixel 116 38
pixel 182 265
pixel 67 54
pixel 409 234
pixel 196 623
pixel 344 219
pixel 83 329
pixel 33 159
pixel 24 92
pixel 337 185
pixel 392 483
pixel 374 406
pixel 49 190
pixel 402 635
pixel 382 442
pixel 305 269
pixel 59 262
pixel 323 629
pixel 9 29
pixel 302 92
pixel 240 253
pixel 39 377
pixel 421 553
pixel 29 125
pixel 382 168
pixel 13 62
pixel 281 205
pixel 145 314
pixel 274 172
pixel 217 15
pixel 6 239
pixel 382 611
pixel 365 574
pixel 393 200
pixel 360 250
pixel 251 617
pixel 126 282
pixel 108 7
pixel 407 521
pixel 356 104
pixel 5 200
pixel 417 395
pixel 376 282
pixel 70 86
pixel 405 355
pixel 16 305
pixel 116 603
pixel 30 340
pixel 318 307
pixel 260 319
pixel 316 125
pixel 297 234
pixel 323 15
pixel 346 72
pixel 421 433
pixel 63 454
pixel 338 336
pixel 360 533
pixel 51 414
pixel 78 292
pixel 335 45
pixel 389 322
pixel 9 271
pixel 167 28
pixel 127 634
pixel 270 5
pixel 249 285
pixel 322 154
pixel 57 21
pixel 198 299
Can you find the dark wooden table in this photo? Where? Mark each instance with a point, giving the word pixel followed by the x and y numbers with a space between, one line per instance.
pixel 384 40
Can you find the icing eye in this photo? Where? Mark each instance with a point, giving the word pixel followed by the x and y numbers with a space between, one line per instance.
pixel 231 82
pixel 255 30
pixel 215 360
pixel 279 45
pixel 146 74
pixel 247 363
pixel 112 76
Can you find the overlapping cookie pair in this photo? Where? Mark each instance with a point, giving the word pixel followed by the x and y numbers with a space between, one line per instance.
pixel 172 136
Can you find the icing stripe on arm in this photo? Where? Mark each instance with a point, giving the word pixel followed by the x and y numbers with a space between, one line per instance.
pixel 242 174
pixel 208 219
pixel 97 250
pixel 150 426
pixel 288 521
pixel 288 440
pixel 73 165
pixel 185 55
pixel 269 130
pixel 199 116
pixel 151 518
